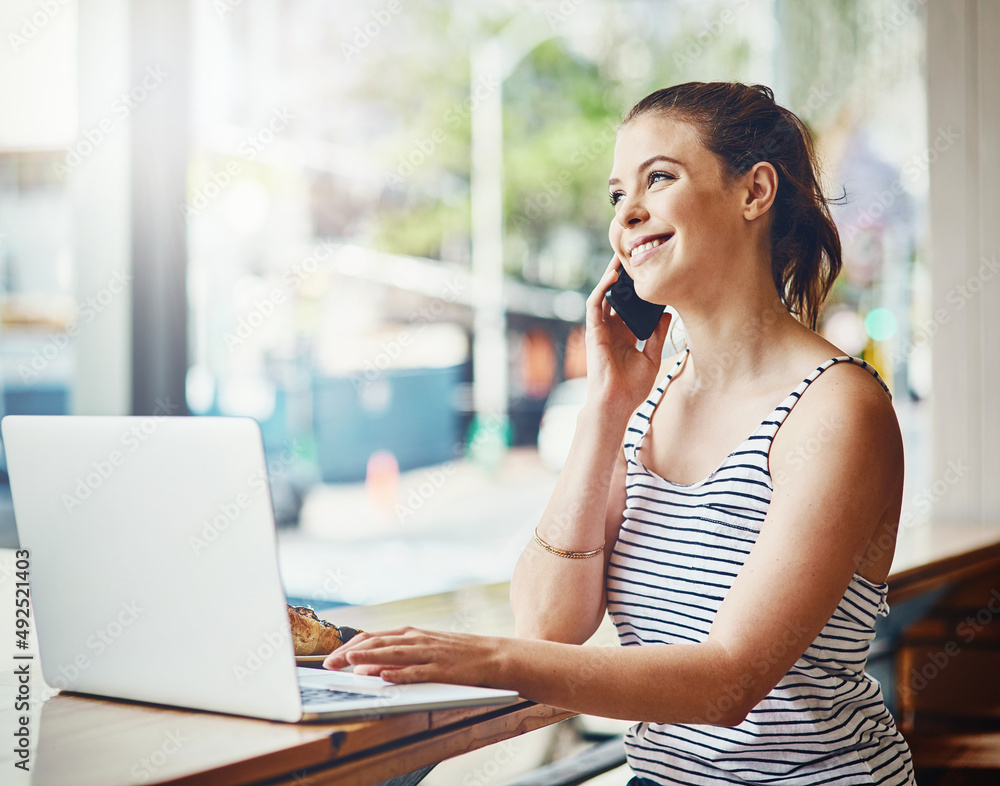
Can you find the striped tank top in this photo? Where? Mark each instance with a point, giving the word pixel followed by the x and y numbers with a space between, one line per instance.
pixel 678 552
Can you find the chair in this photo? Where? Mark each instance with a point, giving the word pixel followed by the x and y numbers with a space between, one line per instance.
pixel 579 768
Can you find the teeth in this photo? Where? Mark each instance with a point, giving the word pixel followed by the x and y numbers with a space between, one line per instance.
pixel 646 246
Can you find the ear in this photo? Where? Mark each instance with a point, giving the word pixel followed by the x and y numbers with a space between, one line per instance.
pixel 762 188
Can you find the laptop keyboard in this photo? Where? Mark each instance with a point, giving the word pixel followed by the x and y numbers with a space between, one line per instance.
pixel 326 695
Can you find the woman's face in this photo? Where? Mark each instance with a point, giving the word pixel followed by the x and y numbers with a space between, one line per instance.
pixel 678 219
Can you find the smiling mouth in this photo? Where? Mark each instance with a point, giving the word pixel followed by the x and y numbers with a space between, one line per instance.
pixel 656 241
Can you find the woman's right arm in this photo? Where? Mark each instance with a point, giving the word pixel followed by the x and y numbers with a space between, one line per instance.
pixel 562 599
pixel 557 598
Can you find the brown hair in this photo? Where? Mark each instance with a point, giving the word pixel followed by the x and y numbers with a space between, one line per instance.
pixel 743 125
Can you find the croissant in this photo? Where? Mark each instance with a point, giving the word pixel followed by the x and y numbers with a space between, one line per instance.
pixel 313 636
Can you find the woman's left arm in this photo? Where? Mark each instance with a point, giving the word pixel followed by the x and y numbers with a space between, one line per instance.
pixel 837 469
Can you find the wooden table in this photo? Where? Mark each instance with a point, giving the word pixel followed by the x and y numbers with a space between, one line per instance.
pixel 84 741
pixel 91 741
pixel 934 554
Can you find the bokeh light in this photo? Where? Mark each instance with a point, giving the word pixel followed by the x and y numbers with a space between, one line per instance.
pixel 881 324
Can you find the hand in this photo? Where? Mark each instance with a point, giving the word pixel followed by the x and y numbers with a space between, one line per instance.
pixel 410 655
pixel 617 371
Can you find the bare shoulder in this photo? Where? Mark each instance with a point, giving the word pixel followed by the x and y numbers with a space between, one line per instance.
pixel 850 391
pixel 847 415
pixel 846 389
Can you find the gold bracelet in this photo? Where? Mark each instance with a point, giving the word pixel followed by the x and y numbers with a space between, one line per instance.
pixel 567 554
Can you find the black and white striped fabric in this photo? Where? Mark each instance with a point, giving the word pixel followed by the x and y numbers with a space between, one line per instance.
pixel 679 550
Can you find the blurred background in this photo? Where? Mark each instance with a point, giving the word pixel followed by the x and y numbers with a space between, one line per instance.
pixel 372 227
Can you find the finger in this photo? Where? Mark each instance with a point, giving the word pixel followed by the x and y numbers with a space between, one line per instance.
pixel 373 641
pixel 357 640
pixel 365 639
pixel 617 325
pixel 369 671
pixel 395 672
pixel 335 660
pixel 393 655
pixel 596 302
pixel 408 675
pixel 338 658
pixel 400 631
pixel 618 330
pixel 610 276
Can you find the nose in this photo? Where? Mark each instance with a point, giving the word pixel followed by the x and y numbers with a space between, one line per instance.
pixel 631 212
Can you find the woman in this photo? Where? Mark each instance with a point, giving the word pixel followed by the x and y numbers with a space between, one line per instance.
pixel 744 577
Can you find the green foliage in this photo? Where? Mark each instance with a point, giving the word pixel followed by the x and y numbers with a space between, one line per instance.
pixel 562 105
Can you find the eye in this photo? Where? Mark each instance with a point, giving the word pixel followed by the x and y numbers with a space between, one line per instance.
pixel 616 196
pixel 656 177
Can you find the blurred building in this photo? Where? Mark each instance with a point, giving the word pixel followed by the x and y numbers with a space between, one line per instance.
pixel 263 208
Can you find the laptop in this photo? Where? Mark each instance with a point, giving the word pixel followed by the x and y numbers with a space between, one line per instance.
pixel 154 572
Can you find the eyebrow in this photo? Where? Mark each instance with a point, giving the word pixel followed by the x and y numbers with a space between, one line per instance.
pixel 647 164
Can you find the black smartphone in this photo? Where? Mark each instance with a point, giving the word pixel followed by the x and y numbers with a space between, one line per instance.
pixel 640 316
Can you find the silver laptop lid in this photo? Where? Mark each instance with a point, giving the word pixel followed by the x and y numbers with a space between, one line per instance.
pixel 154 560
